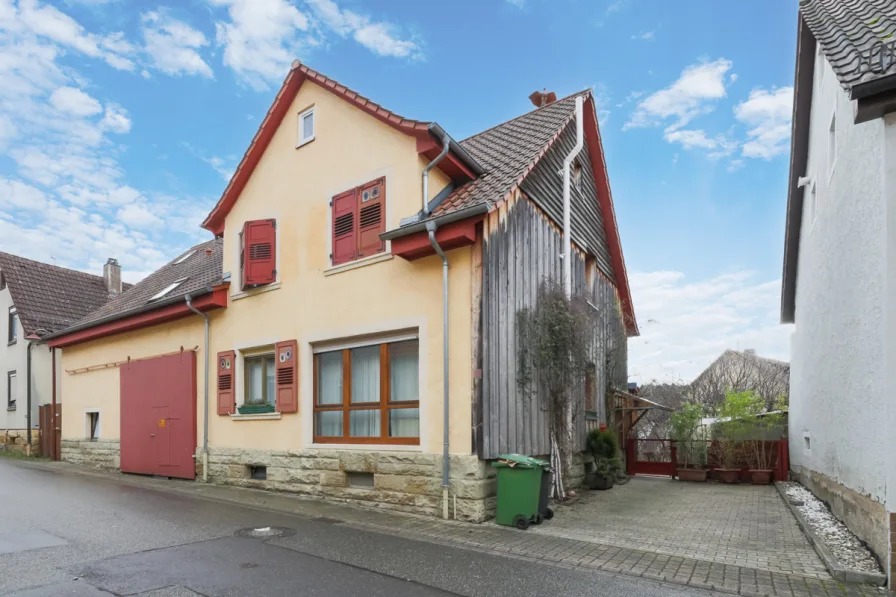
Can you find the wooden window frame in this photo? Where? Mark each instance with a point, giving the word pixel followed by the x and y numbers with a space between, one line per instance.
pixel 12 334
pixel 384 405
pixel 10 379
pixel 264 379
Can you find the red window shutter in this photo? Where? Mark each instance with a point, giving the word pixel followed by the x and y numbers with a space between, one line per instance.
pixel 345 210
pixel 371 217
pixel 287 376
pixel 226 382
pixel 259 252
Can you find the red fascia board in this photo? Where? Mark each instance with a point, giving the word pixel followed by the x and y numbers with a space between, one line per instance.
pixel 605 198
pixel 450 236
pixel 214 222
pixel 207 302
pixel 450 165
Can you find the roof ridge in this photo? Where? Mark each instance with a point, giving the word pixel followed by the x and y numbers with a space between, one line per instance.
pixel 54 266
pixel 530 112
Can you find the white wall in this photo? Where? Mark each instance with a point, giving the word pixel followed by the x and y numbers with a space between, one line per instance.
pixel 838 392
pixel 14 357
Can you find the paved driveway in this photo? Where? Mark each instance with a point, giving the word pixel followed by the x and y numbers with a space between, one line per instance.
pixel 742 525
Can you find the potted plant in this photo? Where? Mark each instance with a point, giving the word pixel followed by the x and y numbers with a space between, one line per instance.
pixel 604 447
pixel 762 454
pixel 691 452
pixel 735 429
pixel 255 407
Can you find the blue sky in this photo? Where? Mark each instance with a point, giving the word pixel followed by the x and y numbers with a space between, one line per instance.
pixel 120 123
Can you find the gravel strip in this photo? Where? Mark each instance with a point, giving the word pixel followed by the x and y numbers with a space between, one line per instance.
pixel 849 551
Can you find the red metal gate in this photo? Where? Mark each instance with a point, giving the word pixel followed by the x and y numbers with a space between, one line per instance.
pixel 158 416
pixel 650 457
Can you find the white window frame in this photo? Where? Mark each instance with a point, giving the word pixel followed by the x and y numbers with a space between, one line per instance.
pixel 99 423
pixel 12 381
pixel 170 288
pixel 302 140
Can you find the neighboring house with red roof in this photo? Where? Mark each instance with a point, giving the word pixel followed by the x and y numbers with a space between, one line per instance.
pixel 839 274
pixel 337 337
pixel 36 300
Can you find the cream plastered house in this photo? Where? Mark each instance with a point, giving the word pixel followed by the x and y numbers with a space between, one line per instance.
pixel 361 285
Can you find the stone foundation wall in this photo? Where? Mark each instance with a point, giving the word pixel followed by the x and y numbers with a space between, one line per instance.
pixel 101 453
pixel 408 481
pixel 863 516
pixel 14 440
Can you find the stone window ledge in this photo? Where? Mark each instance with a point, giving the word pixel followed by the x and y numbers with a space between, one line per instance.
pixel 367 447
pixel 256 417
pixel 344 267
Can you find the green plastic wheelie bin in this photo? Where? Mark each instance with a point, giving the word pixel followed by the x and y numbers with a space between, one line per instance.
pixel 519 490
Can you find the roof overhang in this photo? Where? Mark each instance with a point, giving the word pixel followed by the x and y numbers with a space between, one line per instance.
pixel 799 155
pixel 149 315
pixel 458 165
pixel 611 228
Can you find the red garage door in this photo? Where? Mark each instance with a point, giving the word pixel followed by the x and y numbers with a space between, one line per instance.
pixel 158 416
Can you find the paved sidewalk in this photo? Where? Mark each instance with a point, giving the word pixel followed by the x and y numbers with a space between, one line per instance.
pixel 744 525
pixel 525 545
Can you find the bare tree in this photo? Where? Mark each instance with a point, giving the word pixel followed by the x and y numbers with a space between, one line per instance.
pixel 740 372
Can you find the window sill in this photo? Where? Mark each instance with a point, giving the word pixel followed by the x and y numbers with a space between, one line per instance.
pixel 10 343
pixel 368 447
pixel 344 267
pixel 253 291
pixel 256 417
pixel 10 408
pixel 305 142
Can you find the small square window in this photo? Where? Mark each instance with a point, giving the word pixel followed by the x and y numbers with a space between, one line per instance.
pixel 13 326
pixel 11 390
pixel 306 127
pixel 260 384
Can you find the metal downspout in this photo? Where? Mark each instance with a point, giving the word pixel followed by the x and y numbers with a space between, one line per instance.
pixel 567 237
pixel 53 453
pixel 431 228
pixel 28 401
pixel 205 393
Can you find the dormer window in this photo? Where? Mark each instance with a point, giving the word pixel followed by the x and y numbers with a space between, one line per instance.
pixel 306 127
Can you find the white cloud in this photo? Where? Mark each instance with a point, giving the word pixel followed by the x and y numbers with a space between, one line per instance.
pixel 219 167
pixel 602 101
pixel 686 324
pixel 16 194
pixel 717 146
pixel 74 101
pixel 517 3
pixel 645 36
pixel 261 39
pixel 116 119
pixel 138 216
pixel 173 45
pixel 768 114
pixel 694 93
pixel 50 22
pixel 377 37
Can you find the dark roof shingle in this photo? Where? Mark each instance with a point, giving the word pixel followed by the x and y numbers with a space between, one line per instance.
pixel 508 152
pixel 198 270
pixel 848 31
pixel 49 298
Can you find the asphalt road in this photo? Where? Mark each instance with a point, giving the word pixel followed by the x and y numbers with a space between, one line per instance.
pixel 66 534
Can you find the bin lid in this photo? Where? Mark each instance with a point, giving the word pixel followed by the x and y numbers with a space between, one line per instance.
pixel 519 460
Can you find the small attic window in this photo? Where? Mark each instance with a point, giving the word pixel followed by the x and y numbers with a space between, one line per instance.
pixel 306 127
pixel 184 257
pixel 576 176
pixel 167 289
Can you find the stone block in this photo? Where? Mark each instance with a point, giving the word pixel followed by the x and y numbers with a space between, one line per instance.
pixel 358 462
pixel 409 458
pixel 332 478
pixel 474 489
pixel 407 484
pixel 408 468
pixel 468 467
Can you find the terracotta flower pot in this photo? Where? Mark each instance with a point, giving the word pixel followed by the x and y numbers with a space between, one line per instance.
pixel 760 476
pixel 728 475
pixel 696 475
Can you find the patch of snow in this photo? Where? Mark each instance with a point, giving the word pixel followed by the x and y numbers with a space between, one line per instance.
pixel 846 547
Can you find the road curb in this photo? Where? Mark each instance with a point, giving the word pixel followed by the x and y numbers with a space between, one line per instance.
pixel 830 562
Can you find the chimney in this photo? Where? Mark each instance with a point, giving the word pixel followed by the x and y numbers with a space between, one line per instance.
pixel 112 277
pixel 542 98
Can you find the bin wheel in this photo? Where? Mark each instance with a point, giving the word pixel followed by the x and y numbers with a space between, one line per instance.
pixel 521 522
pixel 548 514
pixel 539 519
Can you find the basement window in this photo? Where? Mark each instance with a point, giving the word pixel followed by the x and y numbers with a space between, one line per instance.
pixel 360 479
pixel 167 289
pixel 258 472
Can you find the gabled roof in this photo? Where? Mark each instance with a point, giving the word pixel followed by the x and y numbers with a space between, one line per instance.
pixel 198 270
pixel 850 32
pixel 49 298
pixel 458 164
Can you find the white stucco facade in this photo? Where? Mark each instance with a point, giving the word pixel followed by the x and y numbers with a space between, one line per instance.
pixel 14 358
pixel 841 403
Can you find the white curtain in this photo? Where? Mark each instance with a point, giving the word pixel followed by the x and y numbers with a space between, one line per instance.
pixel 269 369
pixel 366 374
pixel 329 392
pixel 404 376
pixel 404 422
pixel 364 423
pixel 255 384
